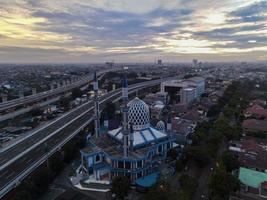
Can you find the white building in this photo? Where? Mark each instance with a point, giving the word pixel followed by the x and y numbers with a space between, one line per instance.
pixel 184 90
pixel 188 95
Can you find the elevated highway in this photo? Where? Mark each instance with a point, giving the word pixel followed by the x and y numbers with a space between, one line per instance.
pixel 19 160
pixel 31 99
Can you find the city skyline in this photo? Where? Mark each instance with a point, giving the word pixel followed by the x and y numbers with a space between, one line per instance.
pixel 132 31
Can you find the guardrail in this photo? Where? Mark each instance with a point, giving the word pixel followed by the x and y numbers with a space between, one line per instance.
pixel 9 186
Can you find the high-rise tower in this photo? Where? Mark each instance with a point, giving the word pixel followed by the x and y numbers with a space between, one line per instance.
pixel 125 128
pixel 96 101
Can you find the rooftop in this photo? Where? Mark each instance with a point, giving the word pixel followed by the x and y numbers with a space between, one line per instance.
pixel 254 124
pixel 251 177
pixel 110 146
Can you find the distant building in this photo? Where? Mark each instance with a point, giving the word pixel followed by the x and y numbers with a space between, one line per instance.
pixel 159 96
pixel 156 110
pixel 194 62
pixel 163 97
pixel 184 91
pixel 188 95
pixel 159 62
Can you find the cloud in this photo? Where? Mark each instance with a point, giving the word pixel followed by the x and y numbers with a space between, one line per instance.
pixel 95 30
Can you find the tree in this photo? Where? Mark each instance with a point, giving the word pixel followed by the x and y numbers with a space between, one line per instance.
pixel 64 102
pixel 188 182
pixel 56 163
pixel 36 112
pixel 229 161
pixel 222 184
pixel 120 186
pixel 179 165
pixel 214 110
pixel 199 154
pixel 110 109
pixel 233 132
pixel 76 93
pixel 172 153
pixel 161 190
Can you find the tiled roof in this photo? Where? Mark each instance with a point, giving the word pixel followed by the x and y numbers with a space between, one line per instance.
pixel 254 124
pixel 257 110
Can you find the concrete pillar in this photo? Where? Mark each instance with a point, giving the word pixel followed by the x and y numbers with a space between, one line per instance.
pixel 113 87
pixel 52 86
pixel 21 94
pixel 33 91
pixel 4 97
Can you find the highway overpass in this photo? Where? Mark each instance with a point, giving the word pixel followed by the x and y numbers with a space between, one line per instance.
pixel 19 160
pixel 31 99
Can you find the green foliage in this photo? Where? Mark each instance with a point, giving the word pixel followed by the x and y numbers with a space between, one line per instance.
pixel 199 154
pixel 110 109
pixel 56 163
pixel 159 191
pixel 36 112
pixel 230 161
pixel 214 110
pixel 71 149
pixel 172 153
pixel 188 183
pixel 35 185
pixel 120 186
pixel 233 132
pixel 179 165
pixel 222 184
pixel 76 93
pixel 64 102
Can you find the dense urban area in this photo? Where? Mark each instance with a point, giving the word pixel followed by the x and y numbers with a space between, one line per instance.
pixel 133 131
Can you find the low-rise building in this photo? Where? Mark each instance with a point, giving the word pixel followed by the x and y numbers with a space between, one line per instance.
pixel 251 152
pixel 256 111
pixel 254 125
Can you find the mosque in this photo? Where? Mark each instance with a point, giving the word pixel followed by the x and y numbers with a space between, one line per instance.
pixel 135 149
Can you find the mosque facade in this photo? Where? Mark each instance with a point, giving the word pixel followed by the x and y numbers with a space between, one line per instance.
pixel 135 149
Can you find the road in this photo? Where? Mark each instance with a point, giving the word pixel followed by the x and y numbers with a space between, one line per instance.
pixel 19 158
pixel 47 94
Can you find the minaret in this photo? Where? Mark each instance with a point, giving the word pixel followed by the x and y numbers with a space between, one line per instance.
pixel 96 100
pixel 125 129
pixel 131 137
pixel 169 124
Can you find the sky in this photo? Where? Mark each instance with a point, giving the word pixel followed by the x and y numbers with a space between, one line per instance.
pixel 62 31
